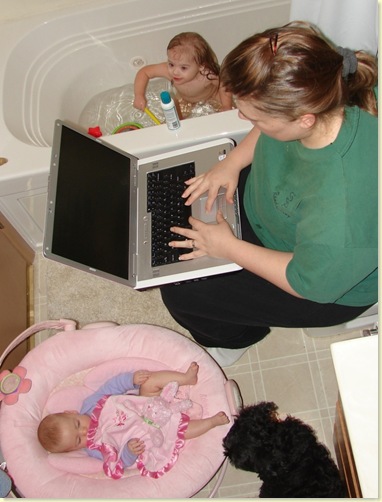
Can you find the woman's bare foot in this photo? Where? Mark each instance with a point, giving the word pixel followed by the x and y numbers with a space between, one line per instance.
pixel 191 375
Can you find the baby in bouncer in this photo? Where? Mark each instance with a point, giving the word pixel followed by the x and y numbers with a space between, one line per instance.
pixel 132 418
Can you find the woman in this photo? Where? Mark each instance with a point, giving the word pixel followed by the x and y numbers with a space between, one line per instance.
pixel 309 215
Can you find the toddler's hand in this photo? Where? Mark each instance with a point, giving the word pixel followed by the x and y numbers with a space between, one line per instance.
pixel 141 377
pixel 136 446
pixel 140 103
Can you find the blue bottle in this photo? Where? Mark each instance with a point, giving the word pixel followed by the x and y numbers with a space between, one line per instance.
pixel 170 112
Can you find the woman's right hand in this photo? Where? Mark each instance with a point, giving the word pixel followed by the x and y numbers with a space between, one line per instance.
pixel 221 174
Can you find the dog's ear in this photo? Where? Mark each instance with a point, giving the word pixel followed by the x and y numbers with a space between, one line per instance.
pixel 258 417
pixel 248 444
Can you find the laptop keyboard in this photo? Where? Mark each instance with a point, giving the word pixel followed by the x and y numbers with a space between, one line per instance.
pixel 166 205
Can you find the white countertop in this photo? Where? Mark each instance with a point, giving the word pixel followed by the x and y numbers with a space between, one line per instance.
pixel 356 366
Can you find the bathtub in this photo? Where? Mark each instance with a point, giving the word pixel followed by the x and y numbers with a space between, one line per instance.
pixel 52 64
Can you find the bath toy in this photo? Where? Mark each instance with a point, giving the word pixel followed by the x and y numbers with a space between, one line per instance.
pixel 95 131
pixel 127 126
pixel 152 116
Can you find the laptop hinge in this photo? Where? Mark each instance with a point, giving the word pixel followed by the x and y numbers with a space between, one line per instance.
pixel 135 265
pixel 135 176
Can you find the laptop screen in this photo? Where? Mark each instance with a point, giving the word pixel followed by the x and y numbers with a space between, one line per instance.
pixel 91 204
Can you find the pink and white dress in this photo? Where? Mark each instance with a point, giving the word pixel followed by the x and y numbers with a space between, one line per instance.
pixel 115 419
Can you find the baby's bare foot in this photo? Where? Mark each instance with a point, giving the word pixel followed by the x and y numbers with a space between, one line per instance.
pixel 219 419
pixel 192 373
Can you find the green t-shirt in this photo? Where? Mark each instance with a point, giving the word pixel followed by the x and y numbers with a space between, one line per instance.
pixel 321 204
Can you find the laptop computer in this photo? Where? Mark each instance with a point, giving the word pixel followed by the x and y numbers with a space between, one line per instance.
pixel 107 209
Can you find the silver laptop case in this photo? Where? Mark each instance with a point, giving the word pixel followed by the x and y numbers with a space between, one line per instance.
pixel 97 218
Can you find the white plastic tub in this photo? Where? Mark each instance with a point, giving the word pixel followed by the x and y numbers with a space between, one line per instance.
pixel 51 65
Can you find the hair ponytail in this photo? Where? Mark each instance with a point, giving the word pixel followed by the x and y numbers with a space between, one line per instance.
pixel 294 70
pixel 361 84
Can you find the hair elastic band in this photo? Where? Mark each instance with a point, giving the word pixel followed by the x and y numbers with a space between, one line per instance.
pixel 350 62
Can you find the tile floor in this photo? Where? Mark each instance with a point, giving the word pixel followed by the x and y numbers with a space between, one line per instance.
pixel 287 367
pixel 296 372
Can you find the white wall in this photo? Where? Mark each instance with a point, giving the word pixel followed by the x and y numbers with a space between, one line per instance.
pixel 348 23
pixel 17 9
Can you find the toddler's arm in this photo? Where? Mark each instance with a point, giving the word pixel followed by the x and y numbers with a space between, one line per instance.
pixel 141 80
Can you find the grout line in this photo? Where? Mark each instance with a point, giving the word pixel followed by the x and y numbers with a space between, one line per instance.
pixel 315 390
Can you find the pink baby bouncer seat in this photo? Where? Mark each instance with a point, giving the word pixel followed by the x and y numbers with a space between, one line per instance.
pixel 67 367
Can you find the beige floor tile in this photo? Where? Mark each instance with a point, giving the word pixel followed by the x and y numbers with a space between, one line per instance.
pixel 281 342
pixel 290 387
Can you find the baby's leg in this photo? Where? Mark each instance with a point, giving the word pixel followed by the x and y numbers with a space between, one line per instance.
pixel 155 383
pixel 198 427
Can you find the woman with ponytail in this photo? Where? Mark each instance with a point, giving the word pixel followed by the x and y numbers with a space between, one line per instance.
pixel 309 197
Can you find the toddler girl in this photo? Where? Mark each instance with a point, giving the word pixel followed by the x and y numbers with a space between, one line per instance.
pixel 193 70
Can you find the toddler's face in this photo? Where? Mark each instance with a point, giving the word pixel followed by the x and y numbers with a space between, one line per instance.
pixel 182 66
pixel 74 429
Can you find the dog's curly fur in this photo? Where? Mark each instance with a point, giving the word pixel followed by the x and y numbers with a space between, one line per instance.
pixel 284 453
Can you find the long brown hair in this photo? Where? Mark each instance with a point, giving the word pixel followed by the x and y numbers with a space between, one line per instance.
pixel 201 49
pixel 294 70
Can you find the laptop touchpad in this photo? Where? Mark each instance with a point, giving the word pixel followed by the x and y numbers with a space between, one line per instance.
pixel 199 208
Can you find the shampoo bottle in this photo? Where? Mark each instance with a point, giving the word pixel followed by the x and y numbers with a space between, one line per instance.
pixel 169 109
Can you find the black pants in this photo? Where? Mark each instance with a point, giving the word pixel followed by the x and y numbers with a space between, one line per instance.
pixel 236 310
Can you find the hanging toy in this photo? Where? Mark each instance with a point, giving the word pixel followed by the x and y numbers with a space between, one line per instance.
pixel 12 384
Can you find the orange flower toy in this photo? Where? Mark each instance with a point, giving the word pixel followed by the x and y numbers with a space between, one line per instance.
pixel 12 384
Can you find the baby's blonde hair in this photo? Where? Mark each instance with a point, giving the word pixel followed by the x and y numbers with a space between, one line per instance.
pixel 49 432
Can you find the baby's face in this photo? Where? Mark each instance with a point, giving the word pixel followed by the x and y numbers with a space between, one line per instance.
pixel 182 66
pixel 74 429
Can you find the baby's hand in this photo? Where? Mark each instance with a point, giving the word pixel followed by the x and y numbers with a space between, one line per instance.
pixel 136 446
pixel 141 377
pixel 140 103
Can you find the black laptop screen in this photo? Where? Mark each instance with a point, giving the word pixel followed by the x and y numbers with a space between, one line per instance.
pixel 91 210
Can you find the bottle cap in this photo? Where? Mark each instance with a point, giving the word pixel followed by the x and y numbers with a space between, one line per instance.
pixel 165 97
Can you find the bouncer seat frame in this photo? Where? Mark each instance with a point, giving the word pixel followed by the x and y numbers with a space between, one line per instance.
pixel 73 359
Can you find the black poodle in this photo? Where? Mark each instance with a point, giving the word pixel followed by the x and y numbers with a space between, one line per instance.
pixel 284 453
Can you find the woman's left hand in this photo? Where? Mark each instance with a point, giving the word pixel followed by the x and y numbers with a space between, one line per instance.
pixel 205 239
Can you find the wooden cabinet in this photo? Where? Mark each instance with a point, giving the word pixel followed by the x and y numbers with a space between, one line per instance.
pixel 344 454
pixel 16 281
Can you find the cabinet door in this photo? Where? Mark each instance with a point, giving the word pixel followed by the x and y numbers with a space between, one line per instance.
pixel 344 454
pixel 16 259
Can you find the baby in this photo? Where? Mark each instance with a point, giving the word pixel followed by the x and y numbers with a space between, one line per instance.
pixel 193 70
pixel 112 426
